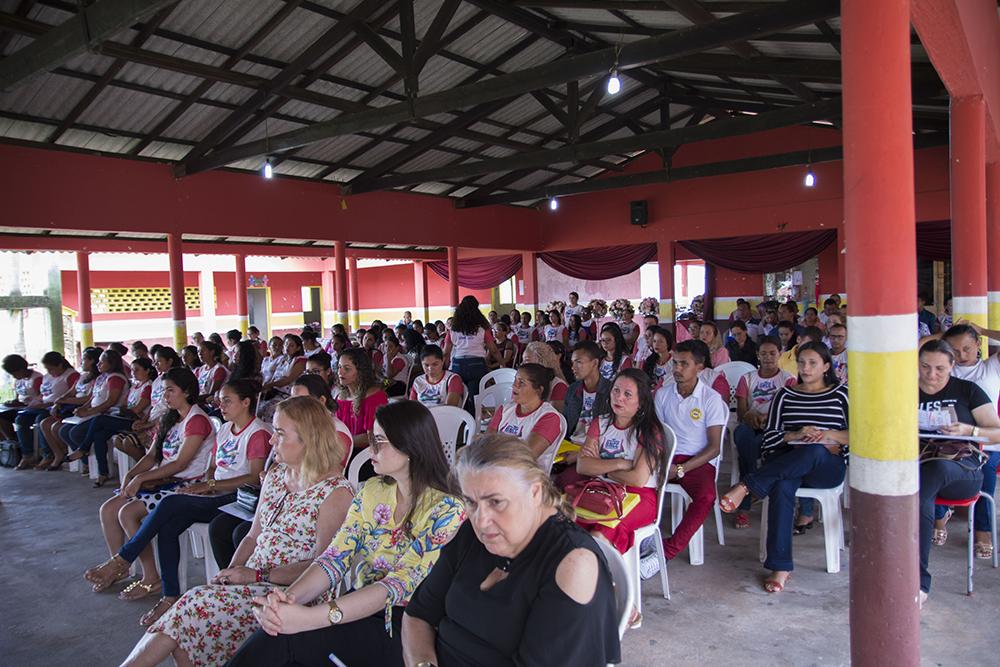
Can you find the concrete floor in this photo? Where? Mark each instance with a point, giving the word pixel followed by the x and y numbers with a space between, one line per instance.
pixel 719 614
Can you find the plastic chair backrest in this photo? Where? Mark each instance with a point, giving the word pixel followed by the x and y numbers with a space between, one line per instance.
pixel 734 370
pixel 550 455
pixel 670 446
pixel 216 423
pixel 452 423
pixel 499 376
pixel 493 396
pixel 624 592
pixel 354 470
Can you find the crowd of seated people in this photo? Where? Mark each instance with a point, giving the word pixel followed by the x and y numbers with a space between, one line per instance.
pixel 324 569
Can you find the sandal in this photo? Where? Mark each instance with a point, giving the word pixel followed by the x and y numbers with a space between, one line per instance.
pixel 161 607
pixel 728 504
pixel 742 521
pixel 101 481
pixel 108 573
pixel 44 463
pixel 25 463
pixel 801 528
pixel 984 550
pixel 77 455
pixel 58 463
pixel 635 620
pixel 939 537
pixel 773 585
pixel 138 590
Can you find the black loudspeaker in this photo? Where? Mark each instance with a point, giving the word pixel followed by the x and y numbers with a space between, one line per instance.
pixel 638 212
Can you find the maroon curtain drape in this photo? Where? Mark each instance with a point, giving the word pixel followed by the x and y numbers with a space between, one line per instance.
pixel 480 272
pixel 765 253
pixel 934 240
pixel 600 263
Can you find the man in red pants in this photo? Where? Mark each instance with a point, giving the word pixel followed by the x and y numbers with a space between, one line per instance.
pixel 697 415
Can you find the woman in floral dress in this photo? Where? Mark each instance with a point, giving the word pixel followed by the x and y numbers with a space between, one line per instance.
pixel 302 505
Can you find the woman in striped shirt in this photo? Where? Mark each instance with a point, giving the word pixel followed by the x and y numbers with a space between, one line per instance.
pixel 805 444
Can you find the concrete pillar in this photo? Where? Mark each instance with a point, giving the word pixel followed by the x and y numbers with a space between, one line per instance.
pixel 328 299
pixel 453 275
pixel 206 293
pixel 242 307
pixel 178 311
pixel 881 278
pixel 340 278
pixel 529 300
pixel 421 310
pixel 84 315
pixel 993 240
pixel 665 259
pixel 968 210
pixel 355 305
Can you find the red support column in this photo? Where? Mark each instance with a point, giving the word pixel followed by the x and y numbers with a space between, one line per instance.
pixel 242 308
pixel 829 272
pixel 422 312
pixel 453 275
pixel 529 300
pixel 84 316
pixel 340 278
pixel 665 257
pixel 354 306
pixel 968 209
pixel 177 308
pixel 328 299
pixel 881 279
pixel 993 239
pixel 842 266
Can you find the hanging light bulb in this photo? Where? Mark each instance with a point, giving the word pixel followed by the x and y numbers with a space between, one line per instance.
pixel 553 204
pixel 268 169
pixel 614 83
pixel 810 179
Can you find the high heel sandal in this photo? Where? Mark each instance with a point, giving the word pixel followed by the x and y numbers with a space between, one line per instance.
pixel 727 504
pixel 131 593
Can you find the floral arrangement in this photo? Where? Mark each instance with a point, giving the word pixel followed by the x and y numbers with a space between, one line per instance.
pixel 622 309
pixel 599 307
pixel 649 306
pixel 558 306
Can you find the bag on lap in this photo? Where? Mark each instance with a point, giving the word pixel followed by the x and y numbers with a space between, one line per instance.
pixel 966 454
pixel 598 496
pixel 247 497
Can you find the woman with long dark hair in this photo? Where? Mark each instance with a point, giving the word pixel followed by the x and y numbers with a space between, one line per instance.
pixel 286 370
pixel 360 395
pixel 138 440
pixel 468 343
pixel 98 420
pixel 390 540
pixel 60 376
pixel 805 444
pixel 659 365
pixel 246 365
pixel 615 351
pixel 67 403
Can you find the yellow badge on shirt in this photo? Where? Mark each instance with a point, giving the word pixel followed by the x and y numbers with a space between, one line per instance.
pixel 695 414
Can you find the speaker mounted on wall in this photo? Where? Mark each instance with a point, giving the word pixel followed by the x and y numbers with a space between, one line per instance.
pixel 639 212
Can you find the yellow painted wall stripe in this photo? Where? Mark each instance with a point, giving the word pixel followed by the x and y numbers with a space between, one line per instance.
pixel 994 310
pixel 883 410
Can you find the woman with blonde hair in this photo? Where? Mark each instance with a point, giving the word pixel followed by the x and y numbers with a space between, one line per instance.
pixel 543 354
pixel 302 505
pixel 555 602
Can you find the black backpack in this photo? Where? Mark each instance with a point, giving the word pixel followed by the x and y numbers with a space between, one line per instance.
pixel 10 453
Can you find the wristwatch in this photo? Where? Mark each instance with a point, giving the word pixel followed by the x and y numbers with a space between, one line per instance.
pixel 335 614
pixel 425 663
pixel 211 485
pixel 680 471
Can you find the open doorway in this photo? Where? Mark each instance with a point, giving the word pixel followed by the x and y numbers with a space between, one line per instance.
pixel 259 305
pixel 312 313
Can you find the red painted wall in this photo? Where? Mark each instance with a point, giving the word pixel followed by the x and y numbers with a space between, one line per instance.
pixel 392 286
pixel 732 283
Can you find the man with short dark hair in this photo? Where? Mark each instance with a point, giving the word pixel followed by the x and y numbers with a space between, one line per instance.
pixel 925 316
pixel 586 398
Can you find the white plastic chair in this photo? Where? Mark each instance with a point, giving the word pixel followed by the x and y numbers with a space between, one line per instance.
pixel 696 547
pixel 112 465
pixel 124 463
pixel 216 423
pixel 734 370
pixel 499 376
pixel 452 424
pixel 201 547
pixel 354 470
pixel 652 530
pixel 625 590
pixel 549 457
pixel 493 396
pixel 833 523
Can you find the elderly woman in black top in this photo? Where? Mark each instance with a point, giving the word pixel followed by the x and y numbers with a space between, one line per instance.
pixel 520 584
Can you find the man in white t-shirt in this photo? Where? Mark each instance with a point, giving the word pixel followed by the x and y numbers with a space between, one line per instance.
pixel 573 307
pixel 837 335
pixel 697 415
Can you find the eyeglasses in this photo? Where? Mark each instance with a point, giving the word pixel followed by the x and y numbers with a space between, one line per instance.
pixel 378 442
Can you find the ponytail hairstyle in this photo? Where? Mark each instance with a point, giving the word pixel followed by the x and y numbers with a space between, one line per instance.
pixel 317 388
pixel 616 333
pixel 245 388
pixel 499 451
pixel 114 360
pixel 187 383
pixel 93 355
pixel 146 364
pixel 539 376
pixel 55 359
pixel 646 426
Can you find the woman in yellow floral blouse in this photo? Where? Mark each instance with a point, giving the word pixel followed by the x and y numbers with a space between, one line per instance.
pixel 391 538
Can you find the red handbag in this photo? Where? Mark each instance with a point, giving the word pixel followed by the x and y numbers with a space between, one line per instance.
pixel 598 496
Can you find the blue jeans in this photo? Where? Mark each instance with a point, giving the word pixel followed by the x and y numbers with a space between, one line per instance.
pixel 23 423
pixel 94 433
pixel 471 370
pixel 167 522
pixel 983 517
pixel 748 443
pixel 947 479
pixel 779 478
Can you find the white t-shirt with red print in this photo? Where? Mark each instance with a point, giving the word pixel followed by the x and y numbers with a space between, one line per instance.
pixel 54 386
pixel 136 393
pixel 29 389
pixel 235 449
pixel 195 424
pixel 759 391
pixel 616 443
pixel 211 377
pixel 431 393
pixel 557 390
pixel 543 421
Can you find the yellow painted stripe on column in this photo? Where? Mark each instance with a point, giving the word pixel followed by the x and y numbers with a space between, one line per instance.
pixel 180 335
pixel 86 335
pixel 883 398
pixel 994 310
pixel 243 324
pixel 666 310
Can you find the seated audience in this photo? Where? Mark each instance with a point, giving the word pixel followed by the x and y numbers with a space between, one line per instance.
pixel 575 331
pixel 436 386
pixel 275 350
pixel 697 416
pixel 555 329
pixel 59 380
pixel 528 416
pixel 740 346
pixel 616 357
pixel 310 343
pixel 659 365
pixel 925 316
pixel 389 541
pixel 138 439
pixel 253 334
pixel 587 398
pixel 523 330
pixel 837 335
pixel 708 333
pixel 754 394
pixel 644 344
pixel 830 307
pixel 359 396
pixel 28 394
pixel 396 367
pixel 211 375
pixel 65 405
pixel 805 444
pixel 544 355
pixel 246 364
pixel 811 319
pixel 554 602
pixel 302 505
pixel 369 345
pixel 319 365
pixel 191 357
pixel 506 348
pixel 102 418
pixel 289 366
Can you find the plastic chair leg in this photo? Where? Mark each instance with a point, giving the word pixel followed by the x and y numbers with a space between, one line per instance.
pixel 971 549
pixel 762 548
pixel 662 556
pixel 719 528
pixel 632 562
pixel 832 533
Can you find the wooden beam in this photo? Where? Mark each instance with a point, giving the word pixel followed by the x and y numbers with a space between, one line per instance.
pixel 90 26
pixel 635 54
pixel 575 153
pixel 431 41
pixel 409 47
pixel 814 156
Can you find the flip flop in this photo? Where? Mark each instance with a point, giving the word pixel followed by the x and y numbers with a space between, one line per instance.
pixel 772 585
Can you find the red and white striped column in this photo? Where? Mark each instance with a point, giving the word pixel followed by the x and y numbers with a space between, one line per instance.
pixel 881 278
pixel 993 242
pixel 84 316
pixel 175 254
pixel 665 258
pixel 242 307
pixel 968 209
